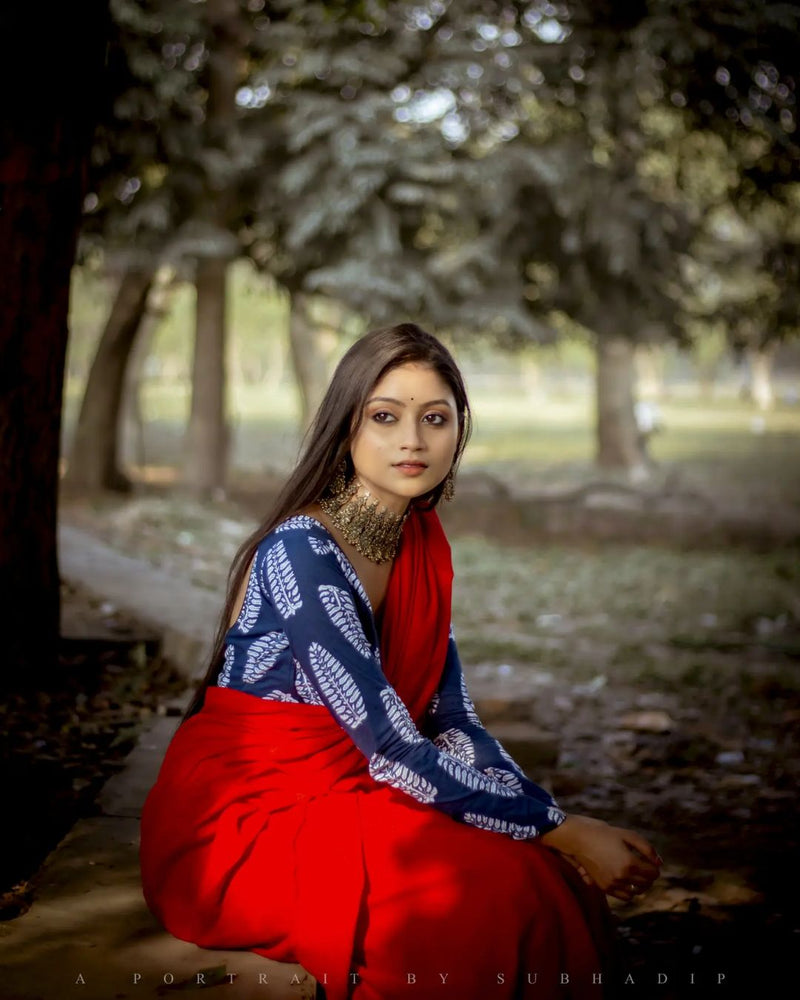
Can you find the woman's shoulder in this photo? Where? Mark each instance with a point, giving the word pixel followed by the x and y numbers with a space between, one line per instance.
pixel 303 543
pixel 301 522
pixel 299 535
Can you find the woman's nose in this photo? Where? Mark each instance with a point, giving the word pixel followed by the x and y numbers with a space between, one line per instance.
pixel 411 435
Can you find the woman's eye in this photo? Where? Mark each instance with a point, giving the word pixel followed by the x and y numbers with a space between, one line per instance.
pixel 437 419
pixel 383 417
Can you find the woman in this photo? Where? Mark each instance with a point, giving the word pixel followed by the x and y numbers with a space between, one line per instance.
pixel 332 798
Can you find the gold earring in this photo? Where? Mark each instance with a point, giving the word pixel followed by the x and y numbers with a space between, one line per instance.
pixel 449 488
pixel 337 487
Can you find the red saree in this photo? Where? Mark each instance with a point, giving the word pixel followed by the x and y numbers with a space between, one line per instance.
pixel 266 832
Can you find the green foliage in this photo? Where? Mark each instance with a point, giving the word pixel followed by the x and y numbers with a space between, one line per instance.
pixel 438 160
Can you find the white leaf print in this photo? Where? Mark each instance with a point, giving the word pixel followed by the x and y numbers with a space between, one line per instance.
pixel 281 581
pixel 433 708
pixel 508 759
pixel 337 686
pixel 399 716
pixel 306 690
pixel 262 655
pixel 457 744
pixel 516 830
pixel 555 815
pixel 469 708
pixel 279 696
pixel 350 575
pixel 342 612
pixel 297 522
pixel 398 775
pixel 506 777
pixel 323 547
pixel 472 779
pixel 225 675
pixel 251 606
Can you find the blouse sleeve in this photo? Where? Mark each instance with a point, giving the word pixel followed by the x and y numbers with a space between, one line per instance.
pixel 454 726
pixel 325 616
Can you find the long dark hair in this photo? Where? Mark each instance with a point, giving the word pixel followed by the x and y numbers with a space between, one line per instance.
pixel 327 445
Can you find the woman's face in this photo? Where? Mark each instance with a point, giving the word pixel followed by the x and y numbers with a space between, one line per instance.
pixel 407 439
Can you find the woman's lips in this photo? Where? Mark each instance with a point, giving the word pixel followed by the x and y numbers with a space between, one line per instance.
pixel 411 468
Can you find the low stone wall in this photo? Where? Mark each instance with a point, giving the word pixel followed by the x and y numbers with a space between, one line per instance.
pixel 609 511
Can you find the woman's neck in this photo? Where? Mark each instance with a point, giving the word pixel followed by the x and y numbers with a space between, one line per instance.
pixel 374 577
pixel 370 527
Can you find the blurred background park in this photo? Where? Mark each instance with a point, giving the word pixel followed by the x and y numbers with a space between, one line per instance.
pixel 597 207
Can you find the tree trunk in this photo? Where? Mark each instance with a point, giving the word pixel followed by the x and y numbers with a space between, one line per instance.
pixel 45 134
pixel 759 360
pixel 205 468
pixel 650 371
pixel 618 444
pixel 207 442
pixel 94 459
pixel 311 351
pixel 132 430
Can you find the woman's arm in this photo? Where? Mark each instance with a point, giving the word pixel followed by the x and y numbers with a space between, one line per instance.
pixel 609 856
pixel 453 725
pixel 332 641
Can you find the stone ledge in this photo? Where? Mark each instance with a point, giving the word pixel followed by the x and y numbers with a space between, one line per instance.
pixel 532 748
pixel 90 921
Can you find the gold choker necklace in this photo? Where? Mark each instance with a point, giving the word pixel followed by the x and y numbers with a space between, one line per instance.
pixel 371 528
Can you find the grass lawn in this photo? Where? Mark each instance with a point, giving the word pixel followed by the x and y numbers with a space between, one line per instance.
pixel 526 441
pixel 619 610
pixel 628 613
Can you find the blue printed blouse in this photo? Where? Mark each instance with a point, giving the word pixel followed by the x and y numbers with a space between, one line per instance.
pixel 306 634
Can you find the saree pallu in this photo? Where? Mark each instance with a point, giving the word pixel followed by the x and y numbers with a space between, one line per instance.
pixel 266 832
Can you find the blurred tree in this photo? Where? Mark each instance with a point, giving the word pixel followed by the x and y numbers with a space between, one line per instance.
pixel 482 166
pixel 144 182
pixel 312 344
pixel 558 102
pixel 131 434
pixel 731 68
pixel 548 102
pixel 94 462
pixel 205 468
pixel 165 183
pixel 51 103
pixel 361 204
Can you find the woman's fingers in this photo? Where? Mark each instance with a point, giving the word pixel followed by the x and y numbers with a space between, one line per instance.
pixel 645 864
pixel 626 895
pixel 587 878
pixel 639 875
pixel 619 861
pixel 643 848
pixel 635 883
pixel 627 891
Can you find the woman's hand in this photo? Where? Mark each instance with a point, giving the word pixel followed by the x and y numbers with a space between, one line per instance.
pixel 619 861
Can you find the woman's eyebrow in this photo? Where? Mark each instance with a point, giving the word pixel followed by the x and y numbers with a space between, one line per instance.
pixel 399 402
